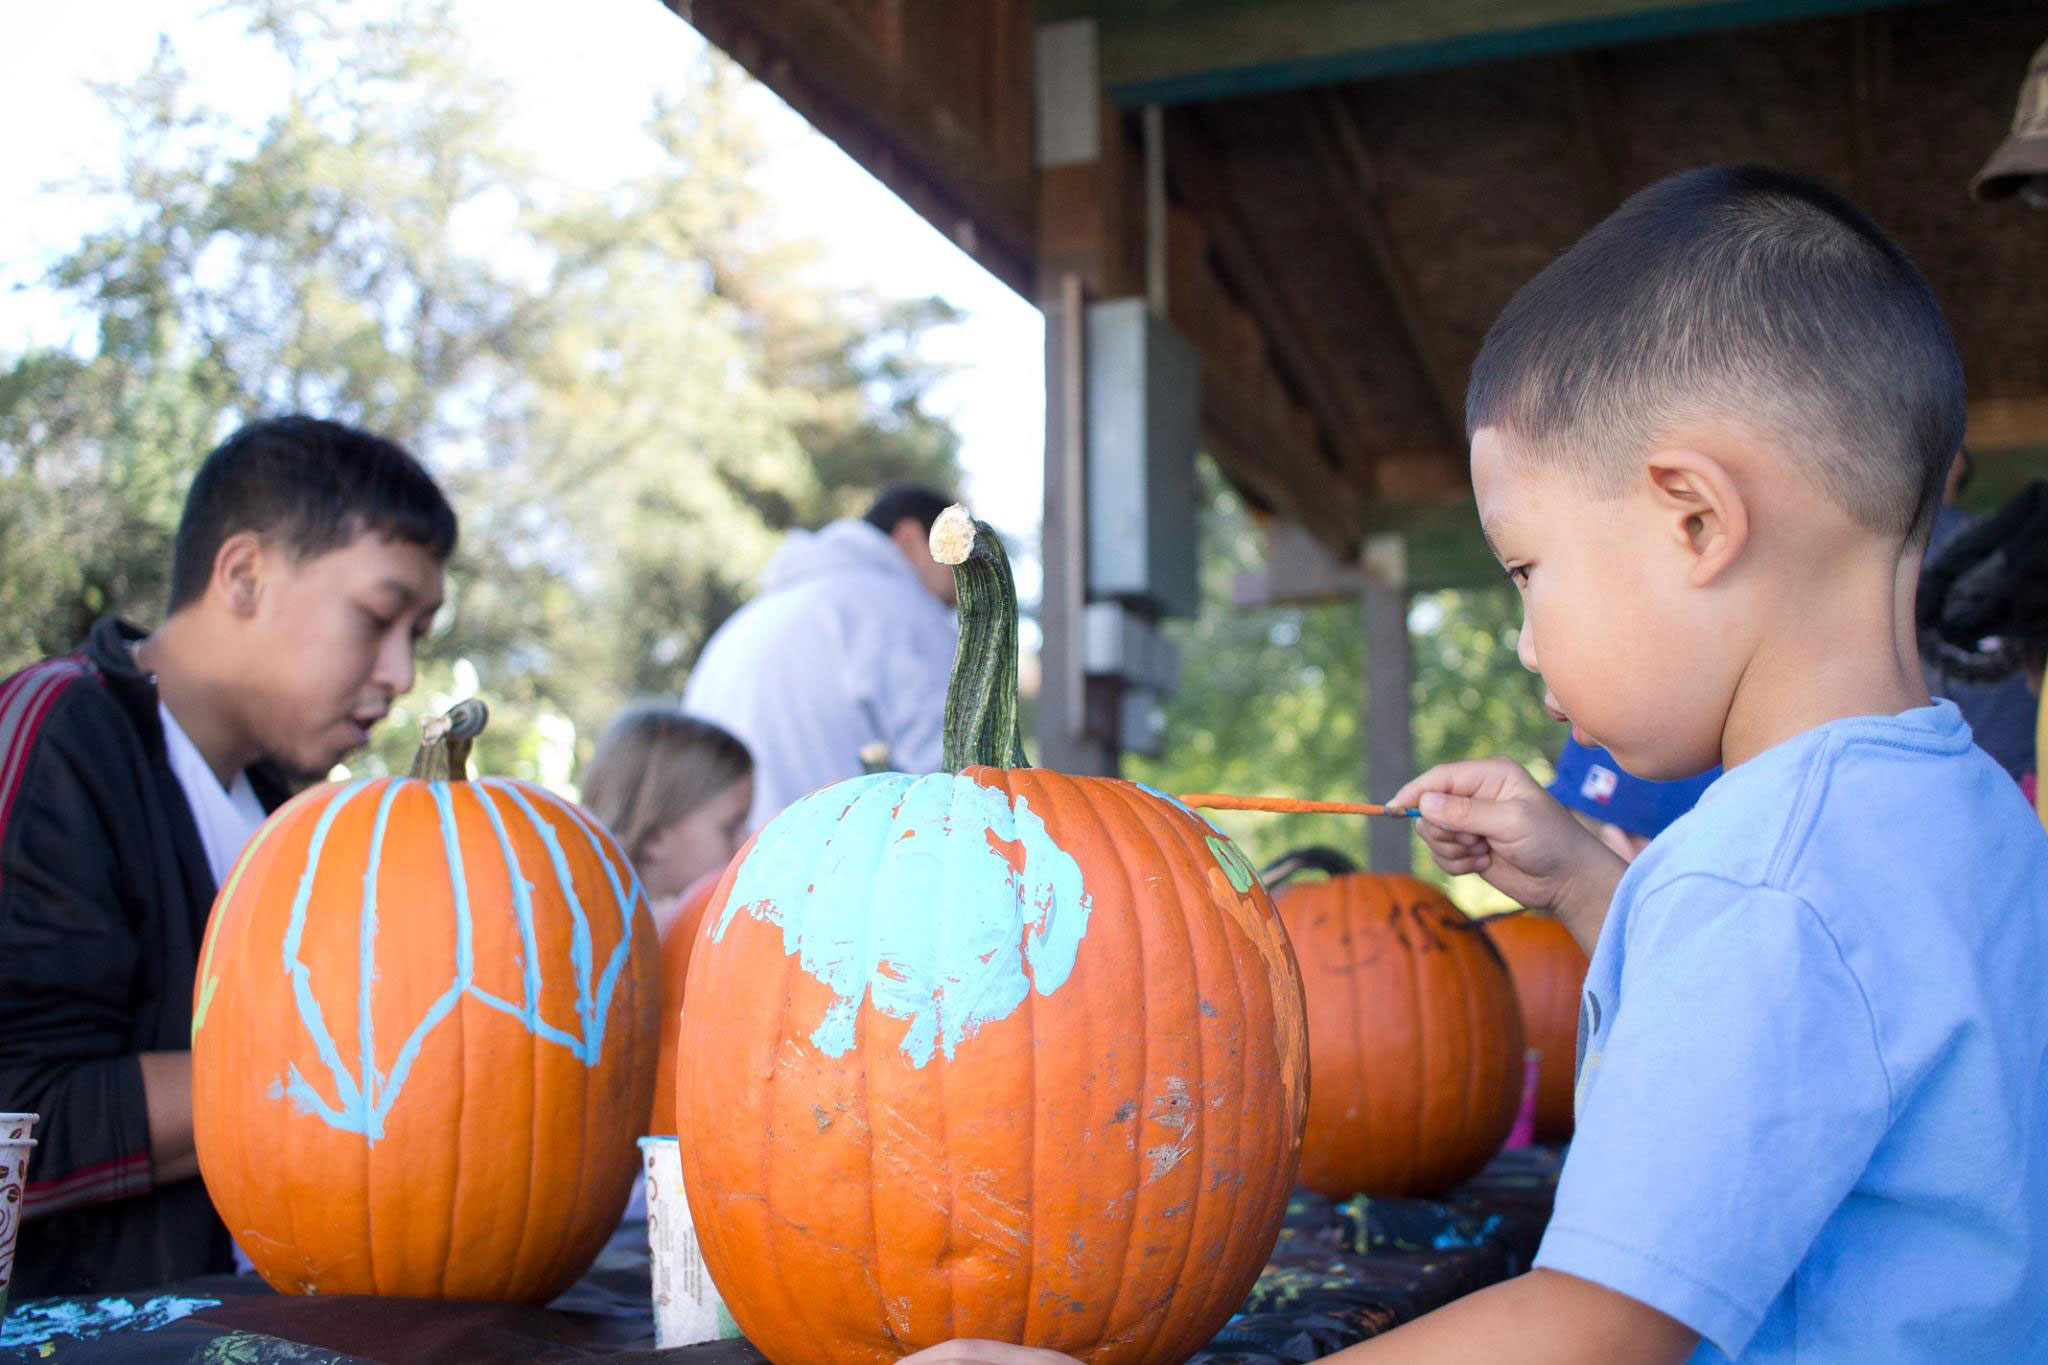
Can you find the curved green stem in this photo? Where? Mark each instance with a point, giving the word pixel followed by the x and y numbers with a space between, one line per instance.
pixel 445 741
pixel 981 700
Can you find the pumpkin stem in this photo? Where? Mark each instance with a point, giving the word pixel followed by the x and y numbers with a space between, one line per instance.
pixel 1294 862
pixel 445 741
pixel 981 700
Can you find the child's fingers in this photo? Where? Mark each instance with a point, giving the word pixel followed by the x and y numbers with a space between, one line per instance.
pixel 1490 778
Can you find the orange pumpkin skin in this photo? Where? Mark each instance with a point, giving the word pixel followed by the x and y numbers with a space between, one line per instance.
pixel 1549 970
pixel 1414 1041
pixel 1101 1170
pixel 677 941
pixel 449 1141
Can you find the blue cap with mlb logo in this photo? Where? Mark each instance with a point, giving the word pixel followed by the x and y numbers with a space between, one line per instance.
pixel 1590 781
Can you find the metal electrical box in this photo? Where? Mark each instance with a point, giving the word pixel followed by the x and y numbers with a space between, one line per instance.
pixel 1144 426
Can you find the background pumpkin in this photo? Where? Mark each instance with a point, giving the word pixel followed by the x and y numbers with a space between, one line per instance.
pixel 991 1052
pixel 1549 971
pixel 437 1095
pixel 1414 1037
pixel 677 942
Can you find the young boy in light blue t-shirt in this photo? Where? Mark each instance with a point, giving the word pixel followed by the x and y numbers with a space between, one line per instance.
pixel 1707 445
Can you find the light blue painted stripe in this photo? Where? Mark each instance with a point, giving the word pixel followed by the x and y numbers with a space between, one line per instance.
pixel 580 951
pixel 363 1108
pixel 464 961
pixel 522 912
pixel 622 951
pixel 539 1028
pixel 366 966
pixel 347 1094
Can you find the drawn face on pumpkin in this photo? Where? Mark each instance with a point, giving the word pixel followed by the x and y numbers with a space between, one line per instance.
pixel 327 642
pixel 1624 641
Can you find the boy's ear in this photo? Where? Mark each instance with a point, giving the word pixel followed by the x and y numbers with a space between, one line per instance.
pixel 1707 515
pixel 238 572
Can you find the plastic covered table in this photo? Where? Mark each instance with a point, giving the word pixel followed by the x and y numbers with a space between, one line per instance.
pixel 1340 1272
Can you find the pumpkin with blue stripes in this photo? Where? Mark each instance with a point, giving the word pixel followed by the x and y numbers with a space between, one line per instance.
pixel 989 1052
pixel 423 1036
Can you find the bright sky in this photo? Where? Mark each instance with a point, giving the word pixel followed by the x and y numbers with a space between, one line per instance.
pixel 580 94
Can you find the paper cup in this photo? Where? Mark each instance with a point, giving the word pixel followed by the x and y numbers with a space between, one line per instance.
pixel 687 1308
pixel 16 1146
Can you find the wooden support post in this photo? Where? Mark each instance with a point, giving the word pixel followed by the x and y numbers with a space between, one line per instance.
pixel 1389 703
pixel 1082 250
pixel 1068 740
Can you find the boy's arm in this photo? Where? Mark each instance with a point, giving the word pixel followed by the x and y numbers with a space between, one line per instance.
pixel 68 956
pixel 1541 1318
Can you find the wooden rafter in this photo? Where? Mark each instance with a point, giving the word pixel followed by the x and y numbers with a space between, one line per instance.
pixel 1258 433
pixel 2008 423
pixel 852 85
pixel 1340 147
pixel 1191 166
pixel 1591 82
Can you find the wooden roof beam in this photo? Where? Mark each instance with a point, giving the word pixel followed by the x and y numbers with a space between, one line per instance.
pixel 854 88
pixel 1189 51
pixel 1340 147
pixel 1191 167
pixel 2007 423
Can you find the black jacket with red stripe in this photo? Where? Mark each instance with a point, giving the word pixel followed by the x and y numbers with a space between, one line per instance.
pixel 104 893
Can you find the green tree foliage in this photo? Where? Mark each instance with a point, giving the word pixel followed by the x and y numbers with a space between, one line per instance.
pixel 630 394
pixel 1270 698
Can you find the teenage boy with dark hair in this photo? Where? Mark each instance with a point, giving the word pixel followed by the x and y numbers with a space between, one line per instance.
pixel 307 563
pixel 1707 444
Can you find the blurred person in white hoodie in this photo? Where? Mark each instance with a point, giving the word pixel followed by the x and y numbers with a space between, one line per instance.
pixel 849 645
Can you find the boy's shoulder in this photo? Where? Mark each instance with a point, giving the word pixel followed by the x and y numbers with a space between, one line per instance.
pixel 1909 793
pixel 89 702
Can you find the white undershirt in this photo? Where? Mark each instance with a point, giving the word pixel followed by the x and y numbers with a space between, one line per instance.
pixel 226 816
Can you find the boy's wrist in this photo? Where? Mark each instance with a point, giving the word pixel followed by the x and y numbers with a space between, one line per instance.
pixel 1587 892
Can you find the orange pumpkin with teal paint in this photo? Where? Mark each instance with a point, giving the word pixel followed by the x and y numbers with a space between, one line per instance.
pixel 993 1052
pixel 423 1037
pixel 1414 1036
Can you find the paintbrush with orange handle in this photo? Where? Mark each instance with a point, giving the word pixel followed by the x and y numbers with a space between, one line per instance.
pixel 1288 805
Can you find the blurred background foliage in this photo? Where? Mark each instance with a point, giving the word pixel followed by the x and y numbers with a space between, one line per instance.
pixel 630 395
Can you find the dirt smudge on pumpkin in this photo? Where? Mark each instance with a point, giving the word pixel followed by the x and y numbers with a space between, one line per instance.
pixel 823 1119
pixel 1261 924
pixel 1125 1112
pixel 1164 1158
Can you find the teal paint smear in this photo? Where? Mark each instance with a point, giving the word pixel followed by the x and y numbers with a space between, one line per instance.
pixel 1173 801
pixel 888 888
pixel 362 1107
pixel 39 1322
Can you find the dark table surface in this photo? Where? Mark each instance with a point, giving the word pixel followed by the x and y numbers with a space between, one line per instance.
pixel 1340 1272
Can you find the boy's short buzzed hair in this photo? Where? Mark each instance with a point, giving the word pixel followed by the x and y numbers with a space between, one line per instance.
pixel 313 485
pixel 1738 293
